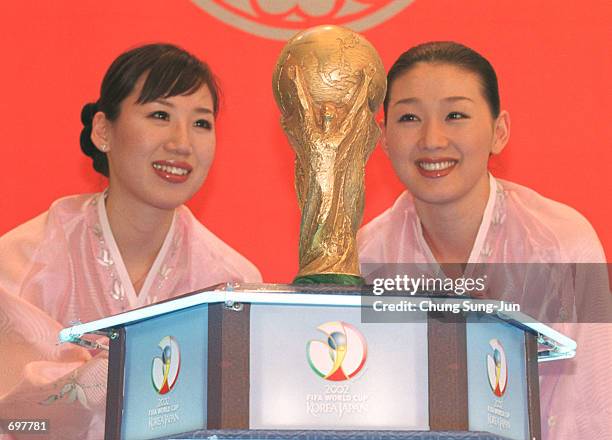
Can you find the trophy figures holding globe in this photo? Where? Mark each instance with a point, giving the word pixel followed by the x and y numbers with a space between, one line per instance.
pixel 329 83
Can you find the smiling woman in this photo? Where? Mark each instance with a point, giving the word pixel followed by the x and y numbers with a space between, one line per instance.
pixel 152 133
pixel 442 123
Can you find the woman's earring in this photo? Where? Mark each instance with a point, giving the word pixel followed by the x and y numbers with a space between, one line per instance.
pixel 104 148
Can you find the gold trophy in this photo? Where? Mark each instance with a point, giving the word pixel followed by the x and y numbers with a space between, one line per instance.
pixel 329 83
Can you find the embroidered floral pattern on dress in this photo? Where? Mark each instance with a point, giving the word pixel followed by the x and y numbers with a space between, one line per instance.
pixel 71 392
pixel 165 270
pixel 107 256
pixel 117 291
pixel 486 250
pixel 498 219
pixel 151 300
pixel 105 259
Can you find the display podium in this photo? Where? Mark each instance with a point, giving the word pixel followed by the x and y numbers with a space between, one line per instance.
pixel 278 361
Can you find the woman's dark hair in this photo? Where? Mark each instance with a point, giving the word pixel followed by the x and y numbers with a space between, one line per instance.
pixel 448 52
pixel 170 71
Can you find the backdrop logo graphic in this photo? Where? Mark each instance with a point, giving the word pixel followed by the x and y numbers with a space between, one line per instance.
pixel 165 368
pixel 281 19
pixel 497 368
pixel 341 356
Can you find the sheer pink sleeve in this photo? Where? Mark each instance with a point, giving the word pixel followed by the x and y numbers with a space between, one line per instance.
pixel 44 380
pixel 17 248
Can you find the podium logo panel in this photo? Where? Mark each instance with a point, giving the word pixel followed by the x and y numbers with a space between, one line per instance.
pixel 497 368
pixel 341 356
pixel 497 378
pixel 165 380
pixel 326 370
pixel 165 368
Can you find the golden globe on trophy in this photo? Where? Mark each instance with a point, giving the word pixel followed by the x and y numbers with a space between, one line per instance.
pixel 329 83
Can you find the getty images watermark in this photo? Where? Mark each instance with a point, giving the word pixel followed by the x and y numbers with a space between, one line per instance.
pixel 537 292
pixel 402 298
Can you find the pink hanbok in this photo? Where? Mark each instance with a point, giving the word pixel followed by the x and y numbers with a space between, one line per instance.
pixel 64 267
pixel 521 226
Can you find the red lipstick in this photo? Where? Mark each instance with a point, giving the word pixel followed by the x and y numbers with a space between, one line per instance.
pixel 172 171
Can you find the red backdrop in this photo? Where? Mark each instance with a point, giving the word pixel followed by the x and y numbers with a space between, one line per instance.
pixel 552 58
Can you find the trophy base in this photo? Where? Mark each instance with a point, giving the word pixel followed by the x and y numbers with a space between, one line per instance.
pixel 330 278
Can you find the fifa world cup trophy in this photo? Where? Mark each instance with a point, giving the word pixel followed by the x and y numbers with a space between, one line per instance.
pixel 328 83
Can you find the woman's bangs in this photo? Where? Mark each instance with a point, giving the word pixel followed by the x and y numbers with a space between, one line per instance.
pixel 171 77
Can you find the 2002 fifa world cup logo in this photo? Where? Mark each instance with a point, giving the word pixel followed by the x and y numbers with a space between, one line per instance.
pixel 497 368
pixel 341 356
pixel 165 368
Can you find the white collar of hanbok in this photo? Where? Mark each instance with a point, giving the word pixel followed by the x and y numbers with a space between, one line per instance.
pixel 479 247
pixel 134 299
